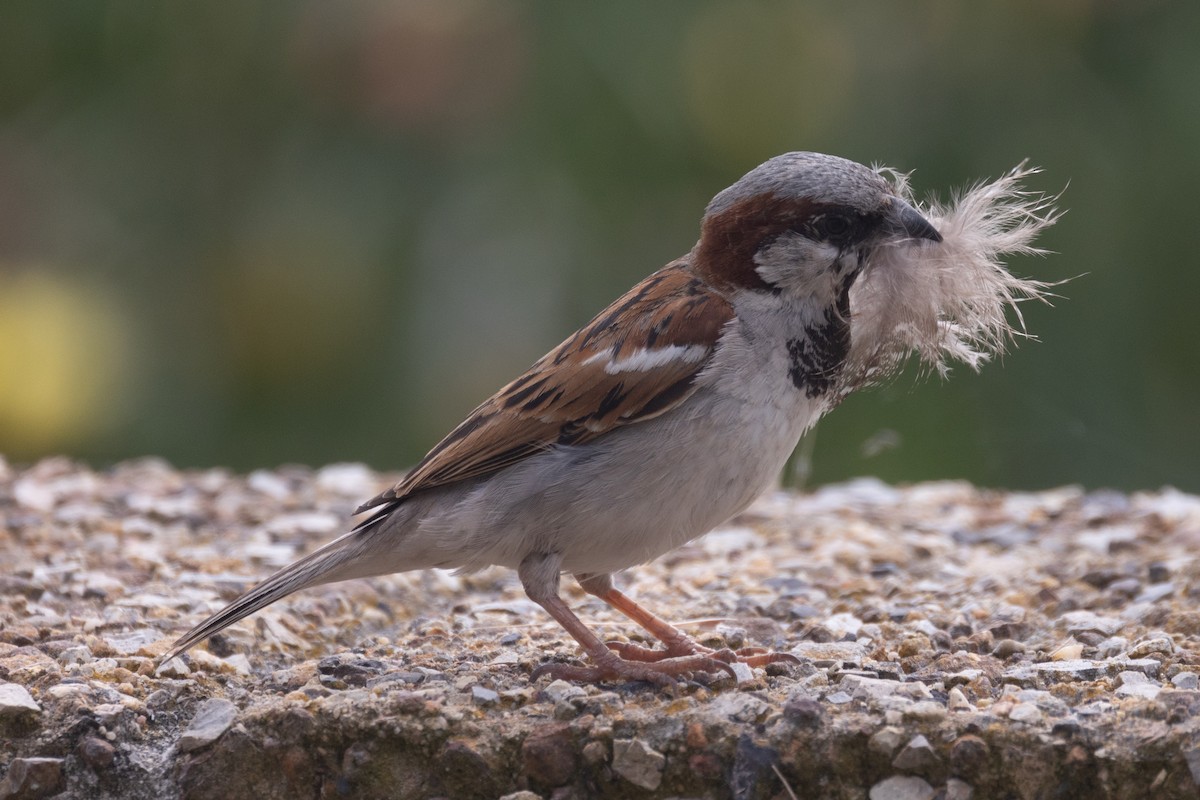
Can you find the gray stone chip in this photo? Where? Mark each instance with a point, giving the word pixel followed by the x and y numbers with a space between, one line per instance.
pixel 15 699
pixel 902 787
pixel 213 717
pixel 637 763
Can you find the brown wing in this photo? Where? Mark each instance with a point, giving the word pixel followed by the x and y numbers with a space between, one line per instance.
pixel 635 360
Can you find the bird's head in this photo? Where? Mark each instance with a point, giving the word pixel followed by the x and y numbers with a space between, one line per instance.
pixel 804 224
pixel 826 232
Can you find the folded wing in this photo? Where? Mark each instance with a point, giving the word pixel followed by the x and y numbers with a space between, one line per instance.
pixel 637 359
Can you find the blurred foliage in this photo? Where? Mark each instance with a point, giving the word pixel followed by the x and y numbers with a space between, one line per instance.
pixel 245 233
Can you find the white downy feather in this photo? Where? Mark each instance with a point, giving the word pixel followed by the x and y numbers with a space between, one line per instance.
pixel 949 301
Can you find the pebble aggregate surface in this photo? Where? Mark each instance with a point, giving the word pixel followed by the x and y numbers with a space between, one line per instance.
pixel 954 643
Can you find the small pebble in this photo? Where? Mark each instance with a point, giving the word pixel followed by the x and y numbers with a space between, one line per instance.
pixel 174 668
pixel 1007 647
pixel 97 753
pixel 1126 586
pixel 481 695
pixel 1186 680
pixel 1155 592
pixel 1158 572
pixel 957 701
pixel 16 700
pixel 1136 684
pixel 803 711
pixel 863 687
pixel 901 787
pixel 1150 647
pixel 213 717
pixel 743 673
pixel 638 763
pixel 926 711
pixel 560 691
pixel 916 756
pixel 962 677
pixel 886 741
pixel 841 625
pixel 595 752
pixel 958 790
pixel 32 778
pixel 1025 712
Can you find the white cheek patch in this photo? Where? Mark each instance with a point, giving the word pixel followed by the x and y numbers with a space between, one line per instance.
pixel 648 358
pixel 796 263
pixel 949 301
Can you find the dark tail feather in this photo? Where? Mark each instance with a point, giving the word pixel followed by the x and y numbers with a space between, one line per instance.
pixel 339 560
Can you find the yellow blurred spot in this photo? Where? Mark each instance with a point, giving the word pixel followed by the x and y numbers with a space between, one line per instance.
pixel 62 357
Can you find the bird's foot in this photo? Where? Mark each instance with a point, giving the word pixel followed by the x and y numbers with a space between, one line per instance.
pixel 662 671
pixel 750 656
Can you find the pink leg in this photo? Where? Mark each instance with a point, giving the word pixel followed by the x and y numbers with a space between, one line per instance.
pixel 676 641
pixel 539 574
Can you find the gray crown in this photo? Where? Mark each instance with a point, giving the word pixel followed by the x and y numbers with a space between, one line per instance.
pixel 815 176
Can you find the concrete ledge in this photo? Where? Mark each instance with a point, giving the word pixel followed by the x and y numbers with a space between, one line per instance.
pixel 956 643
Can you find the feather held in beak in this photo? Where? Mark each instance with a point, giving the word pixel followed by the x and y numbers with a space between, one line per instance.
pixel 949 300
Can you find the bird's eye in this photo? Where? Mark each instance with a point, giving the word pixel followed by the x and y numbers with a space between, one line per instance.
pixel 832 227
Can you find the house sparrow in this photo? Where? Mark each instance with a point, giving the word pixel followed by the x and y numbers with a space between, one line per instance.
pixel 679 403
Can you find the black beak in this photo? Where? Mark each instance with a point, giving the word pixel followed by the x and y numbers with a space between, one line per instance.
pixel 905 222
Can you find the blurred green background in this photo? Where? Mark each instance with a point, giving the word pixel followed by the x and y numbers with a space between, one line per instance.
pixel 247 233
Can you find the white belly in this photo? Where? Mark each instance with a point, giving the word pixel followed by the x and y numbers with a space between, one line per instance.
pixel 629 497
